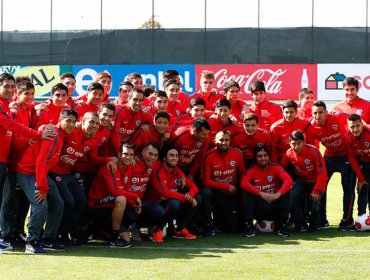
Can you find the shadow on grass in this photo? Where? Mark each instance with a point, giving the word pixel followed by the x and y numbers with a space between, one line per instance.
pixel 205 247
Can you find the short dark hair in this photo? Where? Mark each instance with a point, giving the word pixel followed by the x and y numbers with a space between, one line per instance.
pixel 250 117
pixel 58 86
pixel 296 135
pixel 107 105
pixel 259 149
pixel 127 145
pixel 303 92
pixel 197 101
pixel 24 85
pixel 354 117
pixel 159 93
pixel 170 74
pixel 171 82
pixel 200 123
pixel 350 81
pixel 257 86
pixel 6 76
pixel 229 84
pixel 153 144
pixel 126 83
pixel 223 102
pixel 319 103
pixel 131 93
pixel 67 75
pixel 95 85
pixel 66 112
pixel 290 104
pixel 162 115
pixel 164 151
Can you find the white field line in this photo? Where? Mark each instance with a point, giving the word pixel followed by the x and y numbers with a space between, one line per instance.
pixel 267 250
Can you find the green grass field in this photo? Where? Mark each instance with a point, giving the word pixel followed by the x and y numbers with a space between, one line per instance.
pixel 329 254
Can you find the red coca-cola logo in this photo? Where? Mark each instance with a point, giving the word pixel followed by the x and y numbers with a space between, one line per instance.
pixel 271 78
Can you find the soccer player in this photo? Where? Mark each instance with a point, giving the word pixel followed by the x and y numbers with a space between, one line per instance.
pixel 267 112
pixel 174 75
pixel 135 79
pixel 222 121
pixel 353 104
pixel 238 107
pixel 330 130
pixel 266 194
pixel 156 133
pixel 103 78
pixel 130 117
pixel 108 193
pixel 306 100
pixel 252 136
pixel 221 172
pixel 191 145
pixel 80 142
pixel 311 180
pixel 196 109
pixel 207 92
pixel 124 89
pixel 69 80
pixel 281 130
pixel 95 92
pixel 358 152
pixel 172 89
pixel 49 112
pixel 160 104
pixel 176 193
pixel 41 191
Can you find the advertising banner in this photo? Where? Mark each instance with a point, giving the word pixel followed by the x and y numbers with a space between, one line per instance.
pixel 330 78
pixel 152 75
pixel 282 81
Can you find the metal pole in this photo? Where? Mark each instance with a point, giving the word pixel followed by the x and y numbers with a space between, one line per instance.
pixel 101 31
pixel 312 32
pixel 2 31
pixel 366 34
pixel 51 32
pixel 258 32
pixel 205 32
pixel 152 35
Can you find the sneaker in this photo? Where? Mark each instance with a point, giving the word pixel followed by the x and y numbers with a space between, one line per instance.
pixel 345 225
pixel 156 236
pixel 34 248
pixel 324 225
pixel 53 245
pixel 208 230
pixel 352 228
pixel 135 233
pixel 120 243
pixel 184 233
pixel 283 231
pixel 6 246
pixel 249 231
pixel 301 228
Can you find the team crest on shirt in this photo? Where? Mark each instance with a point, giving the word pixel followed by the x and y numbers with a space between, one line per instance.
pixel 149 171
pixel 232 163
pixel 259 144
pixel 307 161
pixel 58 179
pixel 77 175
pixel 86 149
pixel 138 122
pixel 270 178
pixel 126 179
pixel 335 126
pixel 103 140
pixel 177 113
pixel 199 144
pixel 359 112
pixel 366 144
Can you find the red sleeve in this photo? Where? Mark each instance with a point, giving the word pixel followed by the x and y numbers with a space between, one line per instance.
pixel 114 142
pixel 351 154
pixel 193 189
pixel 322 178
pixel 161 188
pixel 197 162
pixel 96 159
pixel 287 181
pixel 42 164
pixel 138 139
pixel 246 183
pixel 18 128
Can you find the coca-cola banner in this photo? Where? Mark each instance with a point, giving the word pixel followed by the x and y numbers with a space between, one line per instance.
pixel 282 81
pixel 331 76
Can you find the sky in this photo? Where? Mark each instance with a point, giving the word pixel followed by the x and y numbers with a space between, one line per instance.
pixel 130 14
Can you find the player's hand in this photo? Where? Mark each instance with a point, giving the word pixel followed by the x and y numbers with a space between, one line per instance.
pixel 266 196
pixel 49 132
pixel 315 197
pixel 137 206
pixel 188 197
pixel 112 166
pixel 40 198
pixel 166 136
pixel 234 120
pixel 232 189
pixel 360 185
pixel 194 203
pixel 145 127
pixel 276 196
pixel 31 141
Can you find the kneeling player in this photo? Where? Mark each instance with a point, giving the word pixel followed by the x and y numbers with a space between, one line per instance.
pixel 266 193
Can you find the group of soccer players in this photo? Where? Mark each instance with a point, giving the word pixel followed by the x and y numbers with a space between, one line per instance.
pixel 175 164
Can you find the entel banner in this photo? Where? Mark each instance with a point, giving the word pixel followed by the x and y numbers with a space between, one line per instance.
pixel 282 81
pixel 331 76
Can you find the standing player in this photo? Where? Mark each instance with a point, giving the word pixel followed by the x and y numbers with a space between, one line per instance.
pixel 221 172
pixel 238 107
pixel 357 144
pixel 266 194
pixel 267 112
pixel 172 89
pixel 330 130
pixel 124 90
pixel 251 137
pixel 311 180
pixel 306 100
pixel 69 80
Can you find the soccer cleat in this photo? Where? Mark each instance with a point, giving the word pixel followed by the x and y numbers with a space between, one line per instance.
pixel 135 233
pixel 156 236
pixel 53 245
pixel 120 243
pixel 352 228
pixel 324 225
pixel 184 233
pixel 34 247
pixel 249 231
pixel 6 246
pixel 208 231
pixel 345 225
pixel 301 228
pixel 283 231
